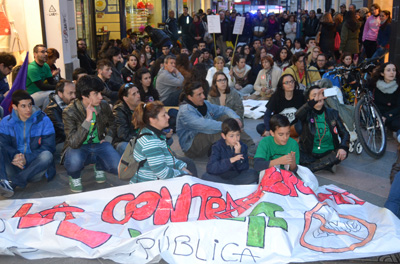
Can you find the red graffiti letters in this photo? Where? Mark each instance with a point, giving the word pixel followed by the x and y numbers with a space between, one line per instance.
pixel 66 229
pixel 340 197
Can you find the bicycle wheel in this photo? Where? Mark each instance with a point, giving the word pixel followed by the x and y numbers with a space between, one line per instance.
pixel 370 128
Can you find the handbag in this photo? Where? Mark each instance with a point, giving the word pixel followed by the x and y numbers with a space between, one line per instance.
pixel 20 54
pixel 337 41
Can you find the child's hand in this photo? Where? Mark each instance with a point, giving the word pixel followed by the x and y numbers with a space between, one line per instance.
pixel 237 147
pixel 236 158
pixel 286 160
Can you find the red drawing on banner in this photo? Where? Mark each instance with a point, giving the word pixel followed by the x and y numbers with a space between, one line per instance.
pixel 340 197
pixel 347 233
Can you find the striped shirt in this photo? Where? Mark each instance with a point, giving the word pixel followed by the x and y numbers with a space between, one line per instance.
pixel 160 162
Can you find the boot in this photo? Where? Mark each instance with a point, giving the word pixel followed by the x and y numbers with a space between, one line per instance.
pixel 325 162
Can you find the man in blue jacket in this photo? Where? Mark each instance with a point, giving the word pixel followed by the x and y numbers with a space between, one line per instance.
pixel 198 123
pixel 27 143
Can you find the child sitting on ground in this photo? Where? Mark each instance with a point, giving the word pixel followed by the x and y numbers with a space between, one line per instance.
pixel 229 162
pixel 279 149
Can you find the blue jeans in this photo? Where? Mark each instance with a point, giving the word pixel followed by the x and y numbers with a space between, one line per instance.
pixel 121 146
pixel 393 201
pixel 172 99
pixel 103 155
pixel 42 165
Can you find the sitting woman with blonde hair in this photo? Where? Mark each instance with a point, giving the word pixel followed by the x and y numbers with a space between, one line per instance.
pixel 219 65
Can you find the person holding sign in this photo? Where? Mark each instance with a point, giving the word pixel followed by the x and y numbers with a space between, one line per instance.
pixel 225 32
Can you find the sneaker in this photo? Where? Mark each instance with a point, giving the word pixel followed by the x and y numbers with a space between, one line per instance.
pixel 5 189
pixel 75 184
pixel 99 175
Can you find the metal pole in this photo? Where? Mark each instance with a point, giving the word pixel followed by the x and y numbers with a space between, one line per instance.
pixel 122 18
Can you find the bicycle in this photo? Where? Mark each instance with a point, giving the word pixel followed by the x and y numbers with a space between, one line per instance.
pixel 368 121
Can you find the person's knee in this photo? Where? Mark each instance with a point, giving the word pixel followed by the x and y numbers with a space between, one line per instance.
pixel 45 157
pixel 74 160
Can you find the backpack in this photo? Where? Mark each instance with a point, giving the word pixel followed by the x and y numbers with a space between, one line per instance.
pixel 128 166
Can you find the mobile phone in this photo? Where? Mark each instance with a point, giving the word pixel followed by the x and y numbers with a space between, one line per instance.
pixel 330 92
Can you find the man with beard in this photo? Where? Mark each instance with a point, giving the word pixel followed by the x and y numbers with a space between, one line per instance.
pixel 39 80
pixel 86 62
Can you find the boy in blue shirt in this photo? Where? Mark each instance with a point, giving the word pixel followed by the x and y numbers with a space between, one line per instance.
pixel 279 149
pixel 229 162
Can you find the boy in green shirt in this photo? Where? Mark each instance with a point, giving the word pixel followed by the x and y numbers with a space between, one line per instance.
pixel 279 149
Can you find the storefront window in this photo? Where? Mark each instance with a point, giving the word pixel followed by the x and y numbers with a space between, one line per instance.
pixel 84 24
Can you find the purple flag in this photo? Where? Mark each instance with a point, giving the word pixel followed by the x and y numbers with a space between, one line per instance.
pixel 18 84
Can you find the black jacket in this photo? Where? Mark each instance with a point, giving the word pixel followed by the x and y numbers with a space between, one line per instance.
pixel 123 127
pixel 54 112
pixel 306 115
pixel 226 30
pixel 311 27
pixel 87 63
pixel 158 37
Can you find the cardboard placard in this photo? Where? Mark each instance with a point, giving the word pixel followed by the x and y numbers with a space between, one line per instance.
pixel 239 25
pixel 214 24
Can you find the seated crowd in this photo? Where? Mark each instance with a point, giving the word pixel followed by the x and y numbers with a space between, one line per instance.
pixel 161 89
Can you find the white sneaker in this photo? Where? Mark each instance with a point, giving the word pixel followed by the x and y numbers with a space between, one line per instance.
pixel 5 189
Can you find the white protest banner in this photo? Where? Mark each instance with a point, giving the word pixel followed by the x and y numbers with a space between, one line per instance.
pixel 239 25
pixel 278 221
pixel 214 24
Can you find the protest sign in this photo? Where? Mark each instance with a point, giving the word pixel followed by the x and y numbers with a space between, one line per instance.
pixel 239 25
pixel 187 220
pixel 214 24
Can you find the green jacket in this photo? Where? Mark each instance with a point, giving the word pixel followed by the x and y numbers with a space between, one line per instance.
pixel 349 39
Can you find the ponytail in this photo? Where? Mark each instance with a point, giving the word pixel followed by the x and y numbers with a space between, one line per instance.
pixel 143 112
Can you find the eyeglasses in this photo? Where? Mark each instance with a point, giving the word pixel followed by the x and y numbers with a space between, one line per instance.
pixel 288 82
pixel 221 80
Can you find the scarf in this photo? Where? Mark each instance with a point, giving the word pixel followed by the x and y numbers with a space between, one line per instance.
pixel 268 78
pixel 197 27
pixel 202 108
pixel 387 88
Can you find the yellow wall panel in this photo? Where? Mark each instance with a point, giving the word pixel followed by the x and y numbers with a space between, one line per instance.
pixel 110 26
pixel 107 18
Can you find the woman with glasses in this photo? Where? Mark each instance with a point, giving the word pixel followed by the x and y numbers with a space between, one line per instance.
pixel 320 148
pixel 151 148
pixel 221 94
pixel 286 100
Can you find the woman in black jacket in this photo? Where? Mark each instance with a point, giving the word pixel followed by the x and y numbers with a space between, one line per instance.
pixel 385 87
pixel 328 32
pixel 196 30
pixel 144 83
pixel 320 130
